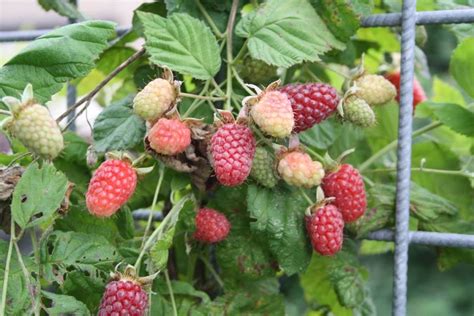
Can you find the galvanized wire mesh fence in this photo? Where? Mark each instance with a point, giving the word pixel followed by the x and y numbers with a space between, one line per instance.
pixel 408 19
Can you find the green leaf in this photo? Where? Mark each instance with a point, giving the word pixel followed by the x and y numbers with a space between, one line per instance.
pixel 243 256
pixel 118 127
pixel 65 304
pixel 78 219
pixel 86 289
pixel 159 252
pixel 338 281
pixel 342 17
pixel 85 252
pixel 249 303
pixel 53 59
pixel 183 43
pixel 321 135
pixel 285 33
pixel 279 215
pixel 462 65
pixel 38 195
pixel 18 295
pixel 458 118
pixel 65 8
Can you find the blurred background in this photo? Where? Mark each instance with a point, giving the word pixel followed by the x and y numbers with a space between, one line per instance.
pixel 431 292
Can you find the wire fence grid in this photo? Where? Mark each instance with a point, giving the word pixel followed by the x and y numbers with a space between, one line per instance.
pixel 407 19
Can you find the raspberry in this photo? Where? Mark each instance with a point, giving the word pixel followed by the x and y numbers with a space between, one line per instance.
pixel 155 99
pixel 263 169
pixel 297 169
pixel 311 102
pixel 418 92
pixel 111 186
pixel 273 114
pixel 256 71
pixel 211 226
pixel 123 297
pixel 232 150
pixel 169 137
pixel 347 186
pixel 358 112
pixel 375 89
pixel 325 228
pixel 32 124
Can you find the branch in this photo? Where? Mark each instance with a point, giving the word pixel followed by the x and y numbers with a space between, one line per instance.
pixel 91 94
pixel 230 32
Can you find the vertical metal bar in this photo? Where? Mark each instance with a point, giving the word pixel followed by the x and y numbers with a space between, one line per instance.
pixel 71 89
pixel 404 159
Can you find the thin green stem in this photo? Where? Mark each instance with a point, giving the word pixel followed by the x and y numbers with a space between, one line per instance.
pixel 241 53
pixel 241 82
pixel 34 242
pixel 157 232
pixel 197 102
pixel 5 112
pixel 209 20
pixel 161 173
pixel 21 156
pixel 218 86
pixel 191 267
pixel 337 71
pixel 461 173
pixel 230 32
pixel 201 97
pixel 26 274
pixel 307 198
pixel 3 304
pixel 213 271
pixel 393 145
pixel 170 289
pixel 314 153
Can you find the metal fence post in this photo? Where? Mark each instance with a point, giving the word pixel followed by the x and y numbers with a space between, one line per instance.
pixel 71 90
pixel 402 241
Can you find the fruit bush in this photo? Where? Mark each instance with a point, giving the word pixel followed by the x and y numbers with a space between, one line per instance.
pixel 259 135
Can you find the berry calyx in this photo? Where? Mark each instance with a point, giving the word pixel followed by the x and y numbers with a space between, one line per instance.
pixel 374 89
pixel 273 114
pixel 169 136
pixel 211 226
pixel 358 112
pixel 124 295
pixel 112 184
pixel 345 184
pixel 418 92
pixel 155 99
pixel 298 169
pixel 232 149
pixel 263 168
pixel 312 103
pixel 325 229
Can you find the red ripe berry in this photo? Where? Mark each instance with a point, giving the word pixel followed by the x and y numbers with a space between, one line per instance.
pixel 123 297
pixel 232 150
pixel 111 186
pixel 211 226
pixel 418 92
pixel 169 137
pixel 347 186
pixel 325 228
pixel 311 102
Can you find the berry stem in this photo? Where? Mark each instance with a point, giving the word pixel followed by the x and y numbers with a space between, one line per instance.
pixel 209 20
pixel 462 173
pixel 230 32
pixel 201 97
pixel 96 90
pixel 307 198
pixel 314 154
pixel 241 53
pixel 241 81
pixel 170 289
pixel 157 232
pixel 161 173
pixel 34 242
pixel 213 271
pixel 5 112
pixel 197 102
pixel 7 270
pixel 394 143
